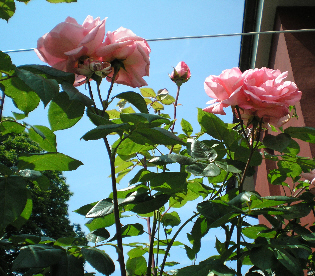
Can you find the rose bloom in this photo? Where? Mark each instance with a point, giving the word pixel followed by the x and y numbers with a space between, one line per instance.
pixel 69 44
pixel 130 53
pixel 266 95
pixel 258 92
pixel 221 87
pixel 181 73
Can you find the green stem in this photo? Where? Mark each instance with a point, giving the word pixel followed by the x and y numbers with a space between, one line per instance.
pixel 116 209
pixel 175 107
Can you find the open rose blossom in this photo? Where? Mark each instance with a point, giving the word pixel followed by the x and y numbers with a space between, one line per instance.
pixel 69 44
pixel 258 92
pixel 130 53
pixel 221 87
pixel 181 73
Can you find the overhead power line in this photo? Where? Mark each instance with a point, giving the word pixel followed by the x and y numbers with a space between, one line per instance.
pixel 197 37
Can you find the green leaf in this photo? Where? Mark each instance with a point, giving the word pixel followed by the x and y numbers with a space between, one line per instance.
pixel 150 205
pixel 6 65
pixel 48 142
pixel 217 212
pixel 97 223
pixel 142 118
pixel 260 230
pixel 136 252
pixel 48 161
pixel 200 150
pixel 64 113
pixel 46 89
pixel 102 208
pixel 11 127
pixel 157 106
pixel 216 128
pixel 99 260
pixel 22 95
pixel 38 256
pixel 263 257
pixel 172 158
pixel 98 119
pixel 171 219
pixel 199 230
pixel 25 215
pixel 186 127
pixel 131 230
pixel 167 182
pixel 103 130
pixel 136 266
pixel 50 73
pixel 160 136
pixel 306 134
pixel 290 262
pixel 75 94
pixel 7 9
pixel 135 99
pixel 201 169
pixel 13 199
pixel 147 92
pixel 278 143
pixel 98 235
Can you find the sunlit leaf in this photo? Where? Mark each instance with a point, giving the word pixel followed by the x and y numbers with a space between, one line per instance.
pixel 22 95
pixel 147 92
pixel 136 266
pixel 48 142
pixel 7 9
pixel 48 161
pixel 46 89
pixel 6 65
pixel 64 113
pixel 98 235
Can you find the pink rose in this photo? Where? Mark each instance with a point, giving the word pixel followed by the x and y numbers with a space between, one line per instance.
pixel 266 95
pixel 181 73
pixel 67 45
pixel 221 88
pixel 258 92
pixel 130 53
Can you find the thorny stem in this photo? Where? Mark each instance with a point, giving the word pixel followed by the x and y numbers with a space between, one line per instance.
pixel 91 95
pixel 172 241
pixel 151 257
pixel 111 85
pixel 175 107
pixel 240 189
pixel 116 209
pixel 1 105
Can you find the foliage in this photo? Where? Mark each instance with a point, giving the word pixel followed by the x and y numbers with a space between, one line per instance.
pixel 46 211
pixel 208 161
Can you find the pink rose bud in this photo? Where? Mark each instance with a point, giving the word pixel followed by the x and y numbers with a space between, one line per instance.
pixel 181 73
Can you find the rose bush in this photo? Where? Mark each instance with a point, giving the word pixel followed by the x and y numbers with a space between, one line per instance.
pixel 129 53
pixel 181 73
pixel 67 45
pixel 258 92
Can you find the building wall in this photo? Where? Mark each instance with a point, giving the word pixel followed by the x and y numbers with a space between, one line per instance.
pixel 295 53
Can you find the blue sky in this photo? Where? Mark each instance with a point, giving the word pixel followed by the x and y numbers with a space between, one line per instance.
pixel 148 19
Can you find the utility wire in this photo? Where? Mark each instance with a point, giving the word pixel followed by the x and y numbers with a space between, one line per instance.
pixel 197 37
